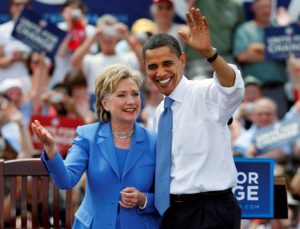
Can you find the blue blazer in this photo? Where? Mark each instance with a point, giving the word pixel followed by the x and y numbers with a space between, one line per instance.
pixel 93 152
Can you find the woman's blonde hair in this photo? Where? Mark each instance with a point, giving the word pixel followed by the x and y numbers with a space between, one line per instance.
pixel 107 82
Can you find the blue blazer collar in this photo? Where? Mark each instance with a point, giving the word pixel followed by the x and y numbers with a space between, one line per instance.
pixel 136 150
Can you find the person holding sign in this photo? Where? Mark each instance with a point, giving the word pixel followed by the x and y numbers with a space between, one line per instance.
pixel 117 154
pixel 249 50
pixel 195 170
pixel 265 115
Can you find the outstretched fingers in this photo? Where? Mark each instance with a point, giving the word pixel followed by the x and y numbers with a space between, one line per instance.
pixel 197 17
pixel 189 20
pixel 205 22
pixel 40 131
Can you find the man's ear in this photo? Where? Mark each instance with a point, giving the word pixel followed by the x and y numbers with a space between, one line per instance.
pixel 182 59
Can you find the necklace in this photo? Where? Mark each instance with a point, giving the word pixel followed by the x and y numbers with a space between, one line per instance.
pixel 122 134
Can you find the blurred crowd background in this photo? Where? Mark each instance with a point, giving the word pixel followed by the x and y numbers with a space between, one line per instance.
pixel 34 85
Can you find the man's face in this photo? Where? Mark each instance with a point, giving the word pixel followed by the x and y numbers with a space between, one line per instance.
pixel 164 68
pixel 15 95
pixel 262 10
pixel 264 114
pixel 252 93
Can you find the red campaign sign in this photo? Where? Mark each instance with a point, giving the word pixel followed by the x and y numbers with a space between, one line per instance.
pixel 63 129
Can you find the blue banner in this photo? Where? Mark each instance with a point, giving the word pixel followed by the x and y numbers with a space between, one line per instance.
pixel 282 41
pixel 278 134
pixel 255 187
pixel 37 33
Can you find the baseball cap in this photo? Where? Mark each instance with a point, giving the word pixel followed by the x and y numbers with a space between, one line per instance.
pixel 252 80
pixel 143 25
pixel 11 83
pixel 160 1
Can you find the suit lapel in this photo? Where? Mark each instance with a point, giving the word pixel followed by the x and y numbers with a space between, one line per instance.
pixel 136 151
pixel 106 146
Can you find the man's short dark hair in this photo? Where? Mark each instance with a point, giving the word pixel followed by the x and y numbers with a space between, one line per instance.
pixel 162 40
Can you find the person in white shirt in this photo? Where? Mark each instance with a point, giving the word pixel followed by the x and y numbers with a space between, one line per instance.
pixel 202 169
pixel 13 53
pixel 107 34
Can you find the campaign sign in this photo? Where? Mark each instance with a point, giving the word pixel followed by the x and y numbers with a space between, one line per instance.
pixel 278 134
pixel 281 41
pixel 255 190
pixel 37 33
pixel 63 130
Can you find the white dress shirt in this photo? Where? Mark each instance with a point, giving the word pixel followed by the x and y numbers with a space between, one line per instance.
pixel 10 44
pixel 201 152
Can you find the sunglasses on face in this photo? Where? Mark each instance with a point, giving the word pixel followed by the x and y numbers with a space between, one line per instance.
pixel 35 62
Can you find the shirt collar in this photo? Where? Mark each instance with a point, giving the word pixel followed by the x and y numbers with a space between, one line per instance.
pixel 179 92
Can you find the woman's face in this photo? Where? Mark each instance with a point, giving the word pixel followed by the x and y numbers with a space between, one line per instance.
pixel 163 12
pixel 124 104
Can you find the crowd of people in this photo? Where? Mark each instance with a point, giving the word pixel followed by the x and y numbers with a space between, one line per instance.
pixel 32 84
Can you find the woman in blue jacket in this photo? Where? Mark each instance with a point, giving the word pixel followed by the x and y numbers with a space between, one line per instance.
pixel 117 154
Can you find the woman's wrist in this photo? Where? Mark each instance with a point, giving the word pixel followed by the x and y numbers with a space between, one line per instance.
pixel 50 151
pixel 142 200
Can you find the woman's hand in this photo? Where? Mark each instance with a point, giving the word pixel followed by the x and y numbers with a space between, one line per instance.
pixel 131 198
pixel 45 137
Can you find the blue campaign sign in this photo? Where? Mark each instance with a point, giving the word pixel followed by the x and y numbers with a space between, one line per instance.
pixel 38 34
pixel 278 134
pixel 255 187
pixel 282 41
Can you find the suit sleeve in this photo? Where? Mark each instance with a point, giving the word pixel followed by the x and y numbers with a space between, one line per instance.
pixel 150 208
pixel 66 173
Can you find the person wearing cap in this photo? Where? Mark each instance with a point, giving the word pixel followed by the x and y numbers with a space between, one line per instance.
pixel 15 141
pixel 195 170
pixel 16 90
pixel 143 28
pixel 9 133
pixel 163 13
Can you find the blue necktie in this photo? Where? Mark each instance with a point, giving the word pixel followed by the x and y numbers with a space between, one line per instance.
pixel 163 158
